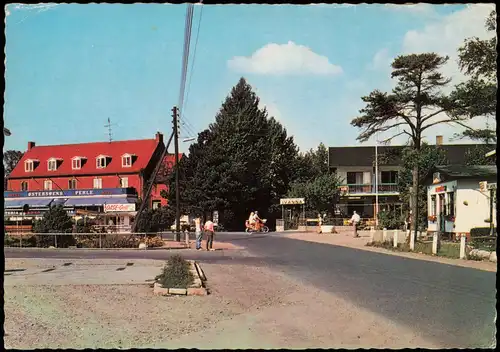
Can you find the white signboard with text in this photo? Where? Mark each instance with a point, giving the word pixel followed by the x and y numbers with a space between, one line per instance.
pixel 118 207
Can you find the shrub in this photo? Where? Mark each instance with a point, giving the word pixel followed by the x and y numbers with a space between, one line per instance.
pixel 15 241
pixel 108 241
pixel 488 243
pixel 176 273
pixel 481 231
pixel 390 220
pixel 154 241
pixel 63 241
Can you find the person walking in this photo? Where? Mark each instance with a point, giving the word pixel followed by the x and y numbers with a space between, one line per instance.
pixel 355 221
pixel 209 231
pixel 198 232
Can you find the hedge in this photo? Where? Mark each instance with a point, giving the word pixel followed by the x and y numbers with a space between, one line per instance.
pixel 481 231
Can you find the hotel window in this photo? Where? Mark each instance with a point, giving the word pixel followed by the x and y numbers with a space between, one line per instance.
pixel 72 184
pixel 97 182
pixel 389 177
pixel 24 186
pixel 28 166
pixel 52 165
pixel 124 182
pixel 126 160
pixel 354 178
pixel 47 185
pixel 101 162
pixel 76 164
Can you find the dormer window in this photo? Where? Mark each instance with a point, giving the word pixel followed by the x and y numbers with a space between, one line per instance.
pixel 29 165
pixel 52 164
pixel 76 162
pixel 126 160
pixel 102 161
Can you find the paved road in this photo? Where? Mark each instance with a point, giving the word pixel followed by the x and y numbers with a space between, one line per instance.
pixel 452 305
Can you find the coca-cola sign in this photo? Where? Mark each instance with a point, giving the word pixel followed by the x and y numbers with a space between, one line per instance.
pixel 119 207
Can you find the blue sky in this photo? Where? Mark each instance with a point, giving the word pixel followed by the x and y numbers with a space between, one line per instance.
pixel 70 67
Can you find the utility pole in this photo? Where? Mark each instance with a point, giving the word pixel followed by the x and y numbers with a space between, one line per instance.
pixel 175 116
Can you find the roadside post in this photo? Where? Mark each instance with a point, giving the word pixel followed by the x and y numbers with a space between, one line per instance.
pixel 384 235
pixel 372 234
pixel 396 238
pixel 412 240
pixel 435 243
pixel 463 246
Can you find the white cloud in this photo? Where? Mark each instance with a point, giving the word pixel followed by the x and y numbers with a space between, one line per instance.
pixel 381 60
pixel 284 59
pixel 416 8
pixel 447 35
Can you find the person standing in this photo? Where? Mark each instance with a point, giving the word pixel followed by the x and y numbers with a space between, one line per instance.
pixel 209 231
pixel 198 232
pixel 355 221
pixel 320 222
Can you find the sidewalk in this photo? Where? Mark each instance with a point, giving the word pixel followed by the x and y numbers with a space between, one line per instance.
pixel 347 240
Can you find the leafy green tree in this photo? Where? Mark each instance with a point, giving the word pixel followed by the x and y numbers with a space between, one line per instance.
pixel 477 97
pixel 476 155
pixel 311 164
pixel 244 161
pixel 10 160
pixel 156 220
pixel 426 159
pixel 321 193
pixel 416 104
pixel 55 220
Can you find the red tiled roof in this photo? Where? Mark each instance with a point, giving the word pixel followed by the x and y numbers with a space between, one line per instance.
pixel 170 158
pixel 141 149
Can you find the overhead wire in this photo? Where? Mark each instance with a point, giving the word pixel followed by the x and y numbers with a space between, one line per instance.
pixel 186 121
pixel 185 61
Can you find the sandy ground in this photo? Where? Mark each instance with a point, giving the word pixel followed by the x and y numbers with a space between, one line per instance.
pixel 347 240
pixel 250 307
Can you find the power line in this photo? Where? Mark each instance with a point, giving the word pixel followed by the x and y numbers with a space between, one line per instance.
pixel 193 61
pixel 185 61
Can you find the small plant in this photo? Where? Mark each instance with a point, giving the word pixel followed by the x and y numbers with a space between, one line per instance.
pixel 176 273
pixel 475 257
pixel 154 241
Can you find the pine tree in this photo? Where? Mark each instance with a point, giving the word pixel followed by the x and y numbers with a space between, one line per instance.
pixel 243 162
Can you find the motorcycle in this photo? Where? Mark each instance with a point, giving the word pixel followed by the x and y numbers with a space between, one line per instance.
pixel 251 229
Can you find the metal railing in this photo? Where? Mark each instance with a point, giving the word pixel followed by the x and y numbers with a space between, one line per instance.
pixel 369 188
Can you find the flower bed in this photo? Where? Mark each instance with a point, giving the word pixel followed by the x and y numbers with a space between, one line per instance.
pixel 180 277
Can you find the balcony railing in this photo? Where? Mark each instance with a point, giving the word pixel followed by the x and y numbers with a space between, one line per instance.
pixel 370 188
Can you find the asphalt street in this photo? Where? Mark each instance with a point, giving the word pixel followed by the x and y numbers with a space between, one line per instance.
pixel 452 305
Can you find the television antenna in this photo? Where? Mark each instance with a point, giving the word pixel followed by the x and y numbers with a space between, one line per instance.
pixel 108 126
